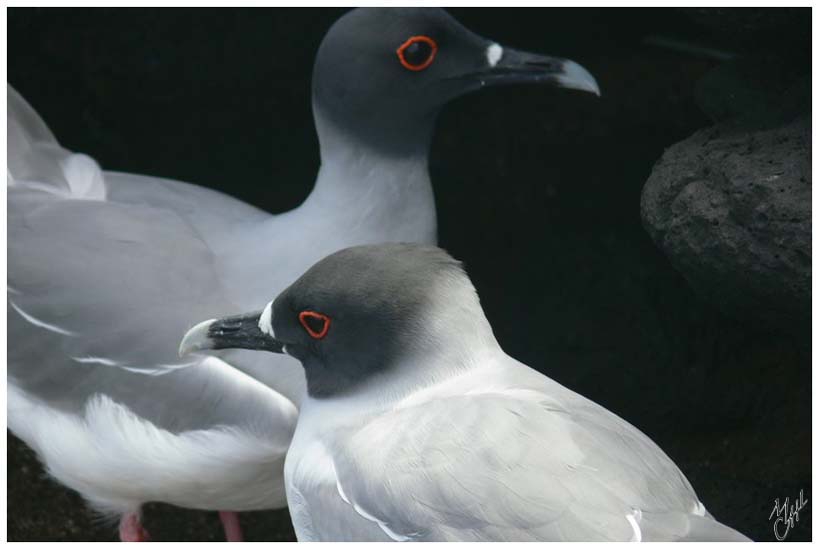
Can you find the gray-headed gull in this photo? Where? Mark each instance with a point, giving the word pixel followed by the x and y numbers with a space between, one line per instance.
pixel 417 426
pixel 106 269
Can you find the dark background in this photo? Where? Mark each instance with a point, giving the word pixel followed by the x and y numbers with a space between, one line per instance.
pixel 537 190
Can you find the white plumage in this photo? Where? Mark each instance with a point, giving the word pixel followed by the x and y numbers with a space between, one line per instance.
pixel 107 270
pixel 498 452
pixel 447 438
pixel 118 461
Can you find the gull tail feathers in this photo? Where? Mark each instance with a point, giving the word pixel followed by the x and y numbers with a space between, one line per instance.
pixel 36 160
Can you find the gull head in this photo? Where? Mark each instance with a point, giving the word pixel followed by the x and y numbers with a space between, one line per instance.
pixel 381 75
pixel 360 312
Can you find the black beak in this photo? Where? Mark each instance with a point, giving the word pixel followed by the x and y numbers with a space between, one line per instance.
pixel 509 66
pixel 238 331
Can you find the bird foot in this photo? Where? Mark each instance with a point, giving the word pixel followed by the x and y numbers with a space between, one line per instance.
pixel 131 530
pixel 230 521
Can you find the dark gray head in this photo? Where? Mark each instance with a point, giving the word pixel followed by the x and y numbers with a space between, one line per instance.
pixel 383 74
pixel 358 313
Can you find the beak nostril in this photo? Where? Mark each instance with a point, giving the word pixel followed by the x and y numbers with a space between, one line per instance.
pixel 228 327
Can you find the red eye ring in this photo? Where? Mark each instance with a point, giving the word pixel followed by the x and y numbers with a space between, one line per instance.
pixel 303 319
pixel 413 40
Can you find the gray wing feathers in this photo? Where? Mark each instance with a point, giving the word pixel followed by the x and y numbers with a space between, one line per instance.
pixel 495 467
pixel 102 293
pixel 96 288
pixel 37 162
pixel 472 468
pixel 25 120
pixel 124 282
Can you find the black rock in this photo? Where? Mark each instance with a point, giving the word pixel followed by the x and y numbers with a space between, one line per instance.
pixel 731 208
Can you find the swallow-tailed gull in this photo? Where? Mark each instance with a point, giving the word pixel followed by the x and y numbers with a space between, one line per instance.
pixel 105 269
pixel 418 427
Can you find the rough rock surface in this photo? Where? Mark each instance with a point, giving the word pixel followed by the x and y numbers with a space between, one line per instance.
pixel 732 210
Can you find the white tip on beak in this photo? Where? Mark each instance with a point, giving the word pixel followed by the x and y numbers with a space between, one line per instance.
pixel 196 338
pixel 578 78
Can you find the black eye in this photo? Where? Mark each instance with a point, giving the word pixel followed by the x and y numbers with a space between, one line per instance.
pixel 316 324
pixel 417 53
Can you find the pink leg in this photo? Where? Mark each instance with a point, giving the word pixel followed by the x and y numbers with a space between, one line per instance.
pixel 131 530
pixel 230 521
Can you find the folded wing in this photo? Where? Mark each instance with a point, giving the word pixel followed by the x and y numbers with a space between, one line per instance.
pixel 517 465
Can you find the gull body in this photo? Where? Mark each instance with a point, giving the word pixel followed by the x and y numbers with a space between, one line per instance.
pixel 94 386
pixel 107 269
pixel 418 427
